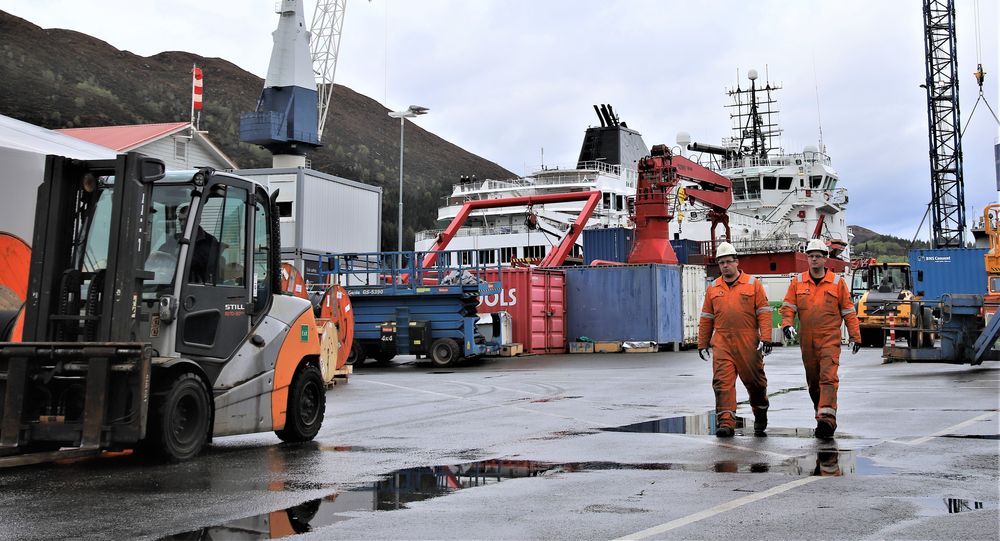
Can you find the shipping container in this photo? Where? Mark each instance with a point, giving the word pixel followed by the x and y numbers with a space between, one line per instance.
pixel 935 272
pixel 322 214
pixel 607 244
pixel 687 251
pixel 694 281
pixel 536 301
pixel 625 303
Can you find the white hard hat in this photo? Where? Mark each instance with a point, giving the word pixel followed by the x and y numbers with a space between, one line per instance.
pixel 817 245
pixel 725 249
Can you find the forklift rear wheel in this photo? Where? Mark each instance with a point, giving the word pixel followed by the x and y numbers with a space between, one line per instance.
pixel 357 355
pixel 178 428
pixel 444 351
pixel 306 406
pixel 383 357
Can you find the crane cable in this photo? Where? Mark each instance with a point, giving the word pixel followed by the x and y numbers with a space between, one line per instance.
pixel 980 75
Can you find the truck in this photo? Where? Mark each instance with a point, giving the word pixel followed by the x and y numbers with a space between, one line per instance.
pixel 154 318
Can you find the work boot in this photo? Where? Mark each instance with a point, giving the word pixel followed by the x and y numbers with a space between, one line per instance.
pixel 725 432
pixel 759 422
pixel 824 429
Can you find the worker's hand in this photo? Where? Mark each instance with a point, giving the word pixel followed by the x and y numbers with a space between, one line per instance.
pixel 855 348
pixel 705 353
pixel 764 348
pixel 789 332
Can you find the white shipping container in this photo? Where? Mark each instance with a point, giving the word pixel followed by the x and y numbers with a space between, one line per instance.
pixel 694 281
pixel 322 214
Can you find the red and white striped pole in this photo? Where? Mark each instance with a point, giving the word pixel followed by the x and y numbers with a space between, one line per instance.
pixel 892 327
pixel 196 90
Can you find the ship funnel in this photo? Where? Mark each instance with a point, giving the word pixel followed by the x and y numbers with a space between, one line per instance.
pixel 599 117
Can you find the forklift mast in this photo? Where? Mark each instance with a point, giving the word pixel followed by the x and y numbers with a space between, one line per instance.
pixel 91 234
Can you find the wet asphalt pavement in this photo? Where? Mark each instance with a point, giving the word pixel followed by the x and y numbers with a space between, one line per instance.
pixel 596 446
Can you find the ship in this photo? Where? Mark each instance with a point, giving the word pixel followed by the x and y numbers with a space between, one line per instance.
pixel 780 200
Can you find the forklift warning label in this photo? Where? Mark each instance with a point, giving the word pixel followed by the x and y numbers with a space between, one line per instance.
pixel 304 333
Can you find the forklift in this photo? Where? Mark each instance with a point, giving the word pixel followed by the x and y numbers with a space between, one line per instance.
pixel 154 318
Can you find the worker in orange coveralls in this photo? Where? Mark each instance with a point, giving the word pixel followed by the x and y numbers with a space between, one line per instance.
pixel 822 301
pixel 736 322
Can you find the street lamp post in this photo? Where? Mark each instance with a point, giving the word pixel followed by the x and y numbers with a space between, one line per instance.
pixel 412 111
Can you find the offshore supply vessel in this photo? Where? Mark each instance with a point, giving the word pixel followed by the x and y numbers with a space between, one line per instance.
pixel 780 200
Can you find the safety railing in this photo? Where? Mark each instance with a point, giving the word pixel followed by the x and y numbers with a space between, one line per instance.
pixel 400 273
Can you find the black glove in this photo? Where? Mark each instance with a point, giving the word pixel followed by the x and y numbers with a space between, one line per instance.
pixel 705 353
pixel 855 348
pixel 789 332
pixel 764 348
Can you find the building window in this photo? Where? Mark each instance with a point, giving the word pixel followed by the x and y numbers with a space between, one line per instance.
pixel 285 209
pixel 180 149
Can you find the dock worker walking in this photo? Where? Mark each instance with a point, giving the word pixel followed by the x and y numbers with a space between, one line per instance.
pixel 735 331
pixel 822 301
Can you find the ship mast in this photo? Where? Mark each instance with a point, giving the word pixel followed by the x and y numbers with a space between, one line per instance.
pixel 755 123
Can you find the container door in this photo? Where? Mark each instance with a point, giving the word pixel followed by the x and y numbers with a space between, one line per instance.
pixel 555 306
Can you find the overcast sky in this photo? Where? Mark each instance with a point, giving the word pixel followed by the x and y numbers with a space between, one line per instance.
pixel 505 79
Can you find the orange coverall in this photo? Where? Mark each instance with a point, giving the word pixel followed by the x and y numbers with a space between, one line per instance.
pixel 734 320
pixel 821 308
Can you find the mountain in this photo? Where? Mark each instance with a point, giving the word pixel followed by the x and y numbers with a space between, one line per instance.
pixel 64 79
pixel 868 243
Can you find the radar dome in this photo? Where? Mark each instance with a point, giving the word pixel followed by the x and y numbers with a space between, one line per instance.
pixel 752 75
pixel 683 139
pixel 809 149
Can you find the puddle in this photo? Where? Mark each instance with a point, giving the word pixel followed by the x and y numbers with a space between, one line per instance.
pixel 705 425
pixel 936 506
pixel 441 372
pixel 974 436
pixel 402 487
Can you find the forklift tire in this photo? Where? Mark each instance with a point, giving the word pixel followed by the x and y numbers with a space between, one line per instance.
pixel 179 424
pixel 444 352
pixel 306 406
pixel 357 355
pixel 383 357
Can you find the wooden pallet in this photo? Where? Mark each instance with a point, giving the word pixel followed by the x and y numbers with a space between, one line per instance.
pixel 607 347
pixel 511 350
pixel 340 376
pixel 648 349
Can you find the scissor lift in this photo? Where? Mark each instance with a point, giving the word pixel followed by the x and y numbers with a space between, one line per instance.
pixel 403 308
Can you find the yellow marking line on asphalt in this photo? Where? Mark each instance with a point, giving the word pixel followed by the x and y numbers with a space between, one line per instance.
pixel 722 508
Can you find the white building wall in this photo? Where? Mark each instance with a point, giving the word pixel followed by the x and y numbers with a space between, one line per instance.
pixel 195 154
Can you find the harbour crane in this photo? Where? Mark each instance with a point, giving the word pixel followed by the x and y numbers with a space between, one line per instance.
pixel 324 46
pixel 945 134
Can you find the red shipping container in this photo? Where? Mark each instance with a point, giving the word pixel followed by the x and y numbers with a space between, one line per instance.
pixel 536 302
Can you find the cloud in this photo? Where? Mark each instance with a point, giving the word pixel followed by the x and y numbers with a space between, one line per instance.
pixel 505 79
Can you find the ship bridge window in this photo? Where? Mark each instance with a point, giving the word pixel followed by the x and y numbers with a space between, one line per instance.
pixel 753 188
pixel 815 181
pixel 465 257
pixel 784 183
pixel 770 183
pixel 507 253
pixel 619 202
pixel 606 201
pixel 739 189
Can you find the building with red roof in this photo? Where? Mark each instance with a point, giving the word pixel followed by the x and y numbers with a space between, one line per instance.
pixel 176 143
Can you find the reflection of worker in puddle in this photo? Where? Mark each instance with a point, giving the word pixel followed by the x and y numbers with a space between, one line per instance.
pixel 822 302
pixel 736 322
pixel 827 464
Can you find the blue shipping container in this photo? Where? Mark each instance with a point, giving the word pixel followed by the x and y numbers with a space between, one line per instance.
pixel 948 270
pixel 684 249
pixel 608 244
pixel 625 303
